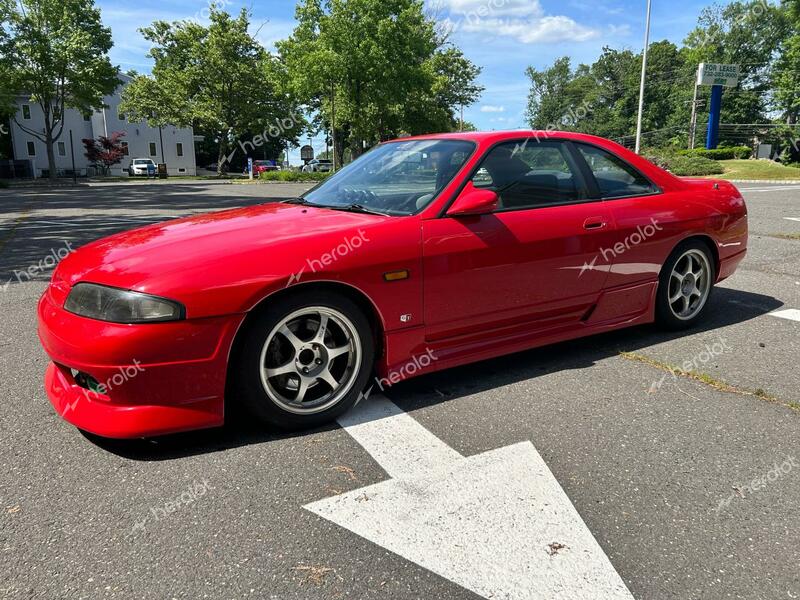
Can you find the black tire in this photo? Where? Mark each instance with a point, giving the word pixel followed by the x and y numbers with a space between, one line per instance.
pixel 666 315
pixel 247 385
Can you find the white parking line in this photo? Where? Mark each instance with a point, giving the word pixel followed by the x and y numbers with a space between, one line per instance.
pixel 792 218
pixel 770 189
pixel 497 523
pixel 792 314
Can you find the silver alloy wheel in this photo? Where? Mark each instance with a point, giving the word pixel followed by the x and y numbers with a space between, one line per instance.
pixel 689 284
pixel 310 360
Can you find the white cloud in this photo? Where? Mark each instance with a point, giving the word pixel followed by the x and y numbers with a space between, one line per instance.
pixel 489 108
pixel 523 20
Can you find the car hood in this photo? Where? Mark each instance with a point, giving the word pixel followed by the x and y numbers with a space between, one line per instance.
pixel 219 248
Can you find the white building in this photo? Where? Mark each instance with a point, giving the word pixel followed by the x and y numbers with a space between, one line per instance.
pixel 171 145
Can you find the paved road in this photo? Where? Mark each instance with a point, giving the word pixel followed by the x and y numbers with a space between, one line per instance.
pixel 675 478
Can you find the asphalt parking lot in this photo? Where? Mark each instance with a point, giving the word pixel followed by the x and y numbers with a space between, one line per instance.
pixel 688 486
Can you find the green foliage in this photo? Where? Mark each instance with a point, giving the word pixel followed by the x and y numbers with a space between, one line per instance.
pixel 57 53
pixel 602 97
pixel 381 65
pixel 685 166
pixel 218 79
pixel 725 153
pixel 292 176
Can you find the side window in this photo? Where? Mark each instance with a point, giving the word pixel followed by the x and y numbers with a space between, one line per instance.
pixel 531 175
pixel 614 176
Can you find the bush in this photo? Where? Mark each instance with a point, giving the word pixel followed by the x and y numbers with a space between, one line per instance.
pixel 686 166
pixel 3 184
pixel 292 176
pixel 720 153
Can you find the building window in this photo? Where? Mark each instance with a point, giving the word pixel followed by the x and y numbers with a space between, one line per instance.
pixel 87 117
pixel 124 148
pixel 26 112
pixel 180 149
pixel 62 149
pixel 153 149
pixel 121 116
pixel 31 149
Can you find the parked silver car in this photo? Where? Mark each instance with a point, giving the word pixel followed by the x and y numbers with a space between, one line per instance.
pixel 318 165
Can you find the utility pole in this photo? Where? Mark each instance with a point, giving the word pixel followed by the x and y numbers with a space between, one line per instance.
pixel 72 154
pixel 641 82
pixel 461 123
pixel 693 120
pixel 333 123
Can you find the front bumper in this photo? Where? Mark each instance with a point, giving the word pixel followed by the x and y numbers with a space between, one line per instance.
pixel 155 378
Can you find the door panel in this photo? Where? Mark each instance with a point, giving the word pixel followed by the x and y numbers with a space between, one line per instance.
pixel 514 267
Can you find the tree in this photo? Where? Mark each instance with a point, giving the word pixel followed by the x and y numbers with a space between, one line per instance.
pixel 218 79
pixel 748 34
pixel 58 52
pixel 380 65
pixel 105 151
pixel 6 92
pixel 787 68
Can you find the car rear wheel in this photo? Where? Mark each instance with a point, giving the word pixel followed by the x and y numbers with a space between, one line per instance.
pixel 685 285
pixel 305 360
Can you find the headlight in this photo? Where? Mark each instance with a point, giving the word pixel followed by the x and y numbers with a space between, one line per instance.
pixel 121 306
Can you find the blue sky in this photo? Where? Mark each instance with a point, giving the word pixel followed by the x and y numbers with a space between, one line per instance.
pixel 501 36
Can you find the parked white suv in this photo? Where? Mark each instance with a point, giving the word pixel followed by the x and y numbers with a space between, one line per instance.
pixel 142 166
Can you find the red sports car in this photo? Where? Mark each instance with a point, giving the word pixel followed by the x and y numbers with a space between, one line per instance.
pixel 423 254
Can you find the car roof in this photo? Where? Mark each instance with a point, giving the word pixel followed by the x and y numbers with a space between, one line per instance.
pixel 512 134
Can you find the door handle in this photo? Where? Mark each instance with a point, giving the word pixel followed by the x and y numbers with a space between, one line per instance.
pixel 594 223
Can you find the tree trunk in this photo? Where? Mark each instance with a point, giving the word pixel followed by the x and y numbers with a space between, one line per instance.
pixel 51 155
pixel 339 149
pixel 221 158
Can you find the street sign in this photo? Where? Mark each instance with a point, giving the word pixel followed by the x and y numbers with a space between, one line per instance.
pixel 717 74
pixel 307 153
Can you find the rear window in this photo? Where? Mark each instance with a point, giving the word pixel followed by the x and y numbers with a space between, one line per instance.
pixel 615 177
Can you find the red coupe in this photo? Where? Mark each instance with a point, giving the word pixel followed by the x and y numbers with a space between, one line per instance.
pixel 423 254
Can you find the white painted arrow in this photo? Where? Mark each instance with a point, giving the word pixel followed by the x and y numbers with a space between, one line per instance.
pixel 792 218
pixel 792 314
pixel 497 523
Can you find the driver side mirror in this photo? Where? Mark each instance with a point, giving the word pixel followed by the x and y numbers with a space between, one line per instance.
pixel 474 201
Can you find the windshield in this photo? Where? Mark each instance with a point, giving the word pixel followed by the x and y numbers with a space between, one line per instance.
pixel 398 178
pixel 143 162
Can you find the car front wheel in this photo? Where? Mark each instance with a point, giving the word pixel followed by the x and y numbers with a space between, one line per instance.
pixel 305 360
pixel 685 285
